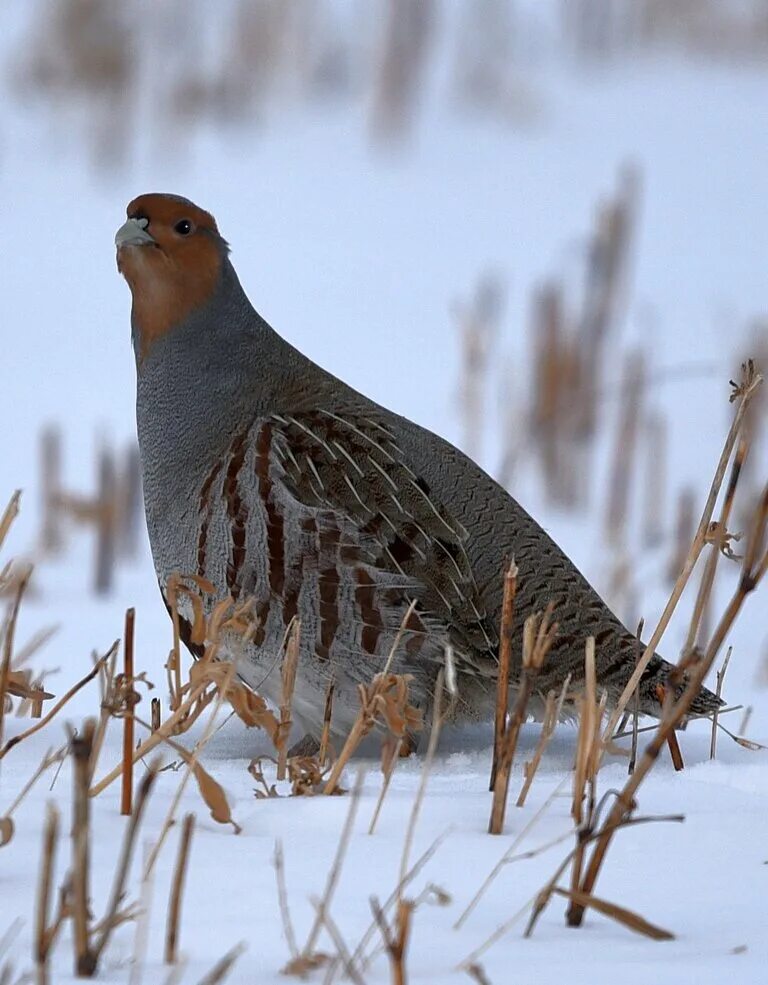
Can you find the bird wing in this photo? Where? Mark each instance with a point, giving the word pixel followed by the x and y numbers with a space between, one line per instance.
pixel 347 467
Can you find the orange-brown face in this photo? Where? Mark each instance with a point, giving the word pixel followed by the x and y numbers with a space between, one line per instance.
pixel 170 253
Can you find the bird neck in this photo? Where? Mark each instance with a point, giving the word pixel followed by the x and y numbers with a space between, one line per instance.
pixel 208 377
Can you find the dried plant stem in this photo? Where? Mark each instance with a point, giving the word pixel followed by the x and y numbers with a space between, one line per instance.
pixel 9 515
pixel 282 895
pixel 48 760
pixel 345 959
pixel 156 720
pixel 177 891
pixel 745 394
pixel 126 798
pixel 754 568
pixel 388 773
pixel 396 894
pixel 154 739
pixel 290 665
pixel 223 966
pixel 553 709
pixel 113 916
pixel 85 961
pixel 434 736
pixel 538 636
pixel 508 855
pixel 717 544
pixel 397 942
pixel 335 870
pixel 16 739
pixel 45 932
pixel 505 663
pixel 325 737
pixel 10 631
pixel 720 679
pixel 190 760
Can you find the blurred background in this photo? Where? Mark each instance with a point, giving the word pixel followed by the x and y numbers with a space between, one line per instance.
pixel 538 227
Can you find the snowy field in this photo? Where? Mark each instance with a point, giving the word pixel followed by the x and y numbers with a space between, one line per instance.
pixel 356 258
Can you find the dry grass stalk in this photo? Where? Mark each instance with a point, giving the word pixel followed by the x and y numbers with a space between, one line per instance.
pixel 720 679
pixel 538 636
pixel 385 701
pixel 553 709
pixel 126 798
pixel 211 791
pixel 177 891
pixel 223 966
pixel 624 449
pixel 719 540
pixel 81 745
pixel 91 939
pixel 505 664
pixel 106 523
pixel 655 475
pixel 209 679
pixel 635 704
pixel 324 904
pixel 46 929
pixel 754 568
pixel 509 855
pixel 288 679
pixel 9 630
pixel 394 896
pixel 156 714
pixel 478 325
pixel 434 736
pixel 282 896
pixel 49 759
pixel 743 393
pixel 390 753
pixel 10 513
pixel 589 754
pixel 619 913
pixel 684 529
pixel 395 938
pixel 325 736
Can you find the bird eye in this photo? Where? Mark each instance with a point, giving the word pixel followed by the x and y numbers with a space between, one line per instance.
pixel 183 227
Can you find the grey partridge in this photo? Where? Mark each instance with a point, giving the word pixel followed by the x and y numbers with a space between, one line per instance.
pixel 277 483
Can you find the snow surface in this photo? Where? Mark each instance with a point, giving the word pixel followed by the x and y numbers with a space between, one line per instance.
pixel 356 259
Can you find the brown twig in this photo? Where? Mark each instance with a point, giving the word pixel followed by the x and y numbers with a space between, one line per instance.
pixel 505 663
pixel 754 567
pixel 126 798
pixel 282 896
pixel 325 736
pixel 395 939
pixel 720 679
pixel 288 678
pixel 335 870
pixel 10 630
pixel 10 513
pixel 16 739
pixel 553 709
pixel 45 932
pixel 177 891
pixel 538 636
pixel 744 394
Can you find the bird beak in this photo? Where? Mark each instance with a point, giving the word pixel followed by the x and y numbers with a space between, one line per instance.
pixel 133 232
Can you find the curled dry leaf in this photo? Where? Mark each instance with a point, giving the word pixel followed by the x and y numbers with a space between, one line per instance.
pixel 213 794
pixel 302 965
pixel 6 830
pixel 256 769
pixel 20 686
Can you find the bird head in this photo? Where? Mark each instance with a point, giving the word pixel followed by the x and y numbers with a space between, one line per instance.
pixel 171 255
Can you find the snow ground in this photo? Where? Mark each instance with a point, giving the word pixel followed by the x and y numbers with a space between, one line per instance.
pixel 357 260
